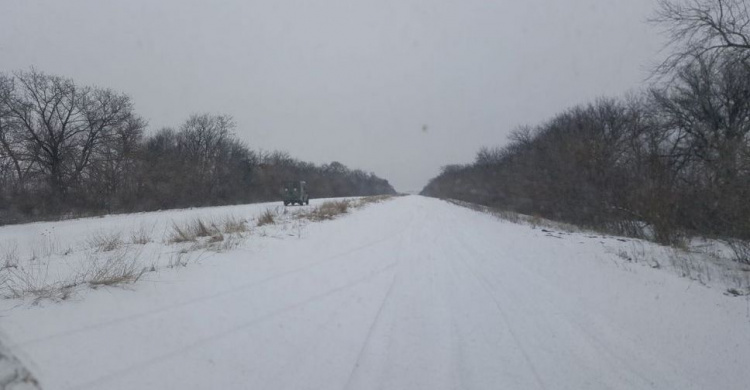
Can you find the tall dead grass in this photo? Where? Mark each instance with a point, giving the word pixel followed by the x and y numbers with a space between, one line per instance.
pixel 109 260
pixel 215 236
pixel 35 281
pixel 234 225
pixel 120 268
pixel 106 242
pixel 142 236
pixel 740 250
pixel 534 221
pixel 191 231
pixel 333 208
pixel 268 217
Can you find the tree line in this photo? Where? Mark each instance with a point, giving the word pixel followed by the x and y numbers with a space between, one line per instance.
pixel 671 160
pixel 67 149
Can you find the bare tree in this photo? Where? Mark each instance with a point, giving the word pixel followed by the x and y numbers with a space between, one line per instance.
pixel 9 160
pixel 59 129
pixel 204 139
pixel 47 110
pixel 113 175
pixel 66 148
pixel 696 28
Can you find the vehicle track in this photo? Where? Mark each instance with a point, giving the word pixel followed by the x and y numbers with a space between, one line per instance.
pixel 240 327
pixel 237 289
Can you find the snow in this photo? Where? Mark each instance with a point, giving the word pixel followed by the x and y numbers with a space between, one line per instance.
pixel 13 375
pixel 411 293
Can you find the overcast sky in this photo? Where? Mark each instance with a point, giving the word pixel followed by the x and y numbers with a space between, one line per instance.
pixel 397 87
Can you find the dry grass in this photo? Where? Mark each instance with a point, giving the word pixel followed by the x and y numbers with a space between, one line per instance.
pixel 535 221
pixel 191 231
pixel 216 237
pixel 333 208
pixel 326 211
pixel 680 260
pixel 194 230
pixel 204 236
pixel 233 225
pixel 228 243
pixel 33 280
pixel 45 247
pixel 202 229
pixel 371 199
pixel 740 250
pixel 4 278
pixel 115 270
pixel 178 260
pixel 181 234
pixel 42 293
pixel 268 217
pixel 142 236
pixel 111 261
pixel 9 256
pixel 105 242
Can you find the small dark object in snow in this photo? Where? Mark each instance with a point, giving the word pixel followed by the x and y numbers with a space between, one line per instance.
pixel 735 293
pixel 622 240
pixel 547 231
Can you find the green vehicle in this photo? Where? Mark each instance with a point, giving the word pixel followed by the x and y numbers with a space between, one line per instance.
pixel 295 192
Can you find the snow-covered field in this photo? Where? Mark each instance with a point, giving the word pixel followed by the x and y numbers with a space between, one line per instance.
pixel 411 293
pixel 55 260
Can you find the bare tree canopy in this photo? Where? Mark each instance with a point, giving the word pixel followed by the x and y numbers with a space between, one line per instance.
pixel 667 162
pixel 674 159
pixel 56 135
pixel 72 149
pixel 696 28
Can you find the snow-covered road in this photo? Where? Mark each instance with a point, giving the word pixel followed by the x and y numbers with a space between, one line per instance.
pixel 412 293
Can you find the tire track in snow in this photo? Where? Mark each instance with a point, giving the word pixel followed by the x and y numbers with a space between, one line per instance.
pixel 454 235
pixel 368 337
pixel 312 346
pixel 416 301
pixel 228 332
pixel 378 314
pixel 205 298
pixel 615 361
pixel 484 283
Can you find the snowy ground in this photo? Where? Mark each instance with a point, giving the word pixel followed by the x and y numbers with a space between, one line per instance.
pixel 55 260
pixel 411 293
pixel 13 375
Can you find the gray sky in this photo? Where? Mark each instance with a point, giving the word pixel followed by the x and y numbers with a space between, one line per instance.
pixel 397 87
